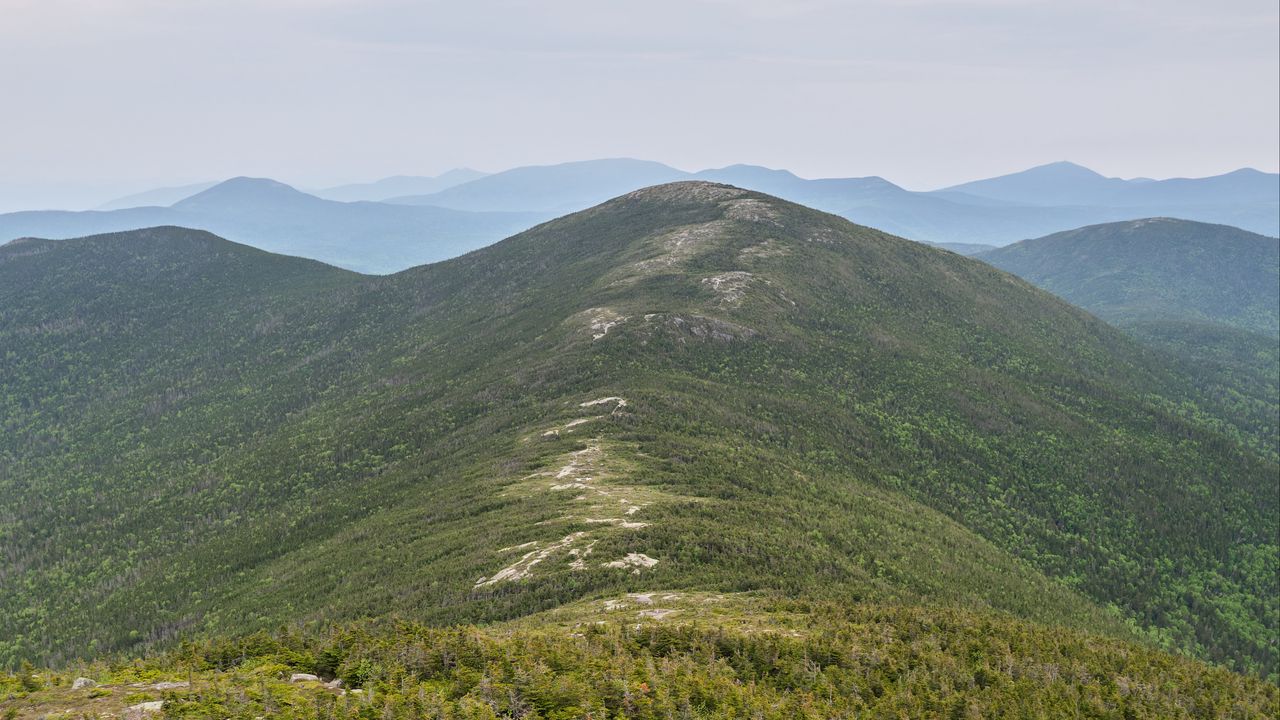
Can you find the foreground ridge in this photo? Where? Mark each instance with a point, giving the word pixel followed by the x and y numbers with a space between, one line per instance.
pixel 698 655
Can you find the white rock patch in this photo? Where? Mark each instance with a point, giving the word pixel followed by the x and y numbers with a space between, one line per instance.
pixel 602 321
pixel 730 286
pixel 656 613
pixel 579 556
pixel 137 711
pixel 521 568
pixel 637 561
pixel 569 426
pixel 621 402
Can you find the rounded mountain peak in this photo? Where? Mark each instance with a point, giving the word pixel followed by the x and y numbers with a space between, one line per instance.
pixel 686 191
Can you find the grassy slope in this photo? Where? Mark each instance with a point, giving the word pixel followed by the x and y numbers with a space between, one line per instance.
pixel 868 419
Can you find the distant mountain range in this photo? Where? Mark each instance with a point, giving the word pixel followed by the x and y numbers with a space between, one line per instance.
pixel 996 211
pixel 159 197
pixel 399 185
pixel 555 189
pixel 423 219
pixel 1064 183
pixel 365 236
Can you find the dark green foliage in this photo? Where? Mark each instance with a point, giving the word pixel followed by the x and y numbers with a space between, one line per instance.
pixel 869 662
pixel 198 436
pixel 1157 269
pixel 1205 297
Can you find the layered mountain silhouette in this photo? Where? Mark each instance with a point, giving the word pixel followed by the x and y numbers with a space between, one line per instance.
pixel 462 211
pixel 1065 183
pixel 399 185
pixel 372 237
pixel 997 211
pixel 157 197
pixel 554 189
pixel 692 388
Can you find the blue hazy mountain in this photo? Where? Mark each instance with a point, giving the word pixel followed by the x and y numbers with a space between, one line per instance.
pixel 996 211
pixel 157 197
pixel 1245 191
pixel 412 229
pixel 364 236
pixel 399 185
pixel 1059 183
pixel 555 189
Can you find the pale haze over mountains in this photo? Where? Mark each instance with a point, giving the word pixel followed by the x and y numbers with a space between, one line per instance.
pixel 402 221
pixel 367 236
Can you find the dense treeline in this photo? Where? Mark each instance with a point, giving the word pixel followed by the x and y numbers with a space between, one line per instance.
pixel 861 662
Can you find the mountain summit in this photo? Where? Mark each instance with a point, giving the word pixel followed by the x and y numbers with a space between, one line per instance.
pixel 243 193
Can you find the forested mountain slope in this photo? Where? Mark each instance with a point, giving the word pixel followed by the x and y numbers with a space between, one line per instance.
pixel 1205 296
pixel 691 387
pixel 1157 269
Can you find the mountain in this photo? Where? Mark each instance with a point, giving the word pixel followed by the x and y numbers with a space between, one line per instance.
pixel 158 197
pixel 693 393
pixel 1207 297
pixel 997 211
pixel 554 189
pixel 399 185
pixel 371 237
pixel 1244 198
pixel 1065 183
pixel 1059 183
pixel 1157 269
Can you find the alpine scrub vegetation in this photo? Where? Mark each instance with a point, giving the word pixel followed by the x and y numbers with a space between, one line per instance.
pixel 691 389
pixel 783 660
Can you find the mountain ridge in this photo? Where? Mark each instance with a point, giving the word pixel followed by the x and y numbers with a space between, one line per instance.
pixel 773 388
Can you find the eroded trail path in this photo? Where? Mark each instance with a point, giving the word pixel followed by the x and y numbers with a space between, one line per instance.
pixel 596 494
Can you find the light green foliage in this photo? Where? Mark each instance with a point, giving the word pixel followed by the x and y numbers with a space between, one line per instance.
pixel 871 661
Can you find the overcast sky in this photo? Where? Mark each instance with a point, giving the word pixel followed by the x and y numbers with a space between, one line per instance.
pixel 100 96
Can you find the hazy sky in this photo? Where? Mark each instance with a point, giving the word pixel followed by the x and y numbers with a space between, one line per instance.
pixel 100 96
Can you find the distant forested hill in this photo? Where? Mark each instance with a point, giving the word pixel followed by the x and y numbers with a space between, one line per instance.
pixel 1157 269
